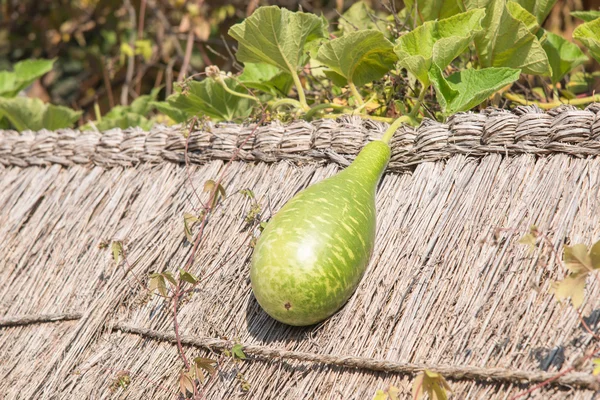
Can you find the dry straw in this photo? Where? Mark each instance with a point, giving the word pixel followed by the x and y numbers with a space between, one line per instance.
pixel 441 291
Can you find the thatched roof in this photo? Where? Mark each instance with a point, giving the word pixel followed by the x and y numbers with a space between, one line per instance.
pixel 440 291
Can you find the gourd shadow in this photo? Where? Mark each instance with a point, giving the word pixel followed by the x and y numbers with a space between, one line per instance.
pixel 264 328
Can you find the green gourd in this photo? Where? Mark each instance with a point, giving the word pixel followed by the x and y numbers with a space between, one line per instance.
pixel 313 253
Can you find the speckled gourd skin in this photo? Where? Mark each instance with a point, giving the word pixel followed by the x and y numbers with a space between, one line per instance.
pixel 313 253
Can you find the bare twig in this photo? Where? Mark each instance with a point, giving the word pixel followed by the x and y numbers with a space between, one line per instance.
pixel 131 58
pixel 187 57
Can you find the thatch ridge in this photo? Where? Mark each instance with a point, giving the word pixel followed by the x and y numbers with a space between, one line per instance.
pixel 524 130
pixel 439 291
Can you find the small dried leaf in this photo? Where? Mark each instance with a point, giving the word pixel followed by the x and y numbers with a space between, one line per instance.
pixel 201 363
pixel 572 286
pixel 157 282
pixel 247 193
pixel 528 240
pixel 596 363
pixel 237 352
pixel 380 395
pixel 577 259
pixel 595 255
pixel 186 384
pixel 188 222
pixel 209 187
pixel 169 276
pixel 432 384
pixel 117 251
pixel 187 277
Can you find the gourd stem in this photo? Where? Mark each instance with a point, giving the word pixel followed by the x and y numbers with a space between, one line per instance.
pixel 580 101
pixel 220 80
pixel 387 136
pixel 417 105
pixel 356 94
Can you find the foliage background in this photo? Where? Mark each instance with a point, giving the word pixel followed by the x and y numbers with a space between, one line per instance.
pixel 92 40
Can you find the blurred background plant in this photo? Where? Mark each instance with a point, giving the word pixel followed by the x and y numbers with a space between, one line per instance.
pixel 108 53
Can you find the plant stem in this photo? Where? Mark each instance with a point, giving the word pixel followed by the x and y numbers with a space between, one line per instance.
pixel 289 102
pixel 365 116
pixel 97 112
pixel 417 105
pixel 301 96
pixel 356 94
pixel 220 80
pixel 323 106
pixel 547 106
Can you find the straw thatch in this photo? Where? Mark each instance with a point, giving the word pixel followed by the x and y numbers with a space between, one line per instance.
pixel 440 291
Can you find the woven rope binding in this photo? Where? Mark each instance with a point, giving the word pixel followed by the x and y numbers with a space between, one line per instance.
pixel 526 129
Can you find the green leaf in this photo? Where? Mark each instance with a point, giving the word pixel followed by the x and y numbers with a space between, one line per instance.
pixel 237 351
pixel 23 74
pixel 209 186
pixel 521 14
pixel 143 104
pixel 586 16
pixel 589 35
pixel 247 193
pixel 360 17
pixel 563 55
pixel 276 36
pixel 529 240
pixel 507 41
pixel 172 112
pixel 187 277
pixel 429 10
pixel 144 48
pixel 358 57
pixel 539 8
pixel 468 88
pixel 266 78
pixel 573 286
pixel 437 42
pixel 209 98
pixel 33 114
pixel 596 363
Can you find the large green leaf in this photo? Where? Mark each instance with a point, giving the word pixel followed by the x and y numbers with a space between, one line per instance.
pixel 589 35
pixel 470 87
pixel 539 8
pixel 507 39
pixel 429 10
pixel 276 36
pixel 142 105
pixel 210 98
pixel 170 111
pixel 357 57
pixel 266 78
pixel 33 114
pixel 562 55
pixel 586 16
pixel 437 42
pixel 360 17
pixel 23 74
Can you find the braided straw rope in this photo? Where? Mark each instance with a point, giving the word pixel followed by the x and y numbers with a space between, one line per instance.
pixel 526 129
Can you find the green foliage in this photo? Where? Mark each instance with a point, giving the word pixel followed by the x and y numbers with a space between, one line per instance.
pixel 466 89
pixel 437 42
pixel 33 114
pixel 580 262
pixel 361 17
pixel 563 55
pixel 266 78
pixel 428 10
pixel 589 35
pixel 209 98
pixel 357 58
pixel 507 39
pixel 586 16
pixel 24 74
pixel 391 393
